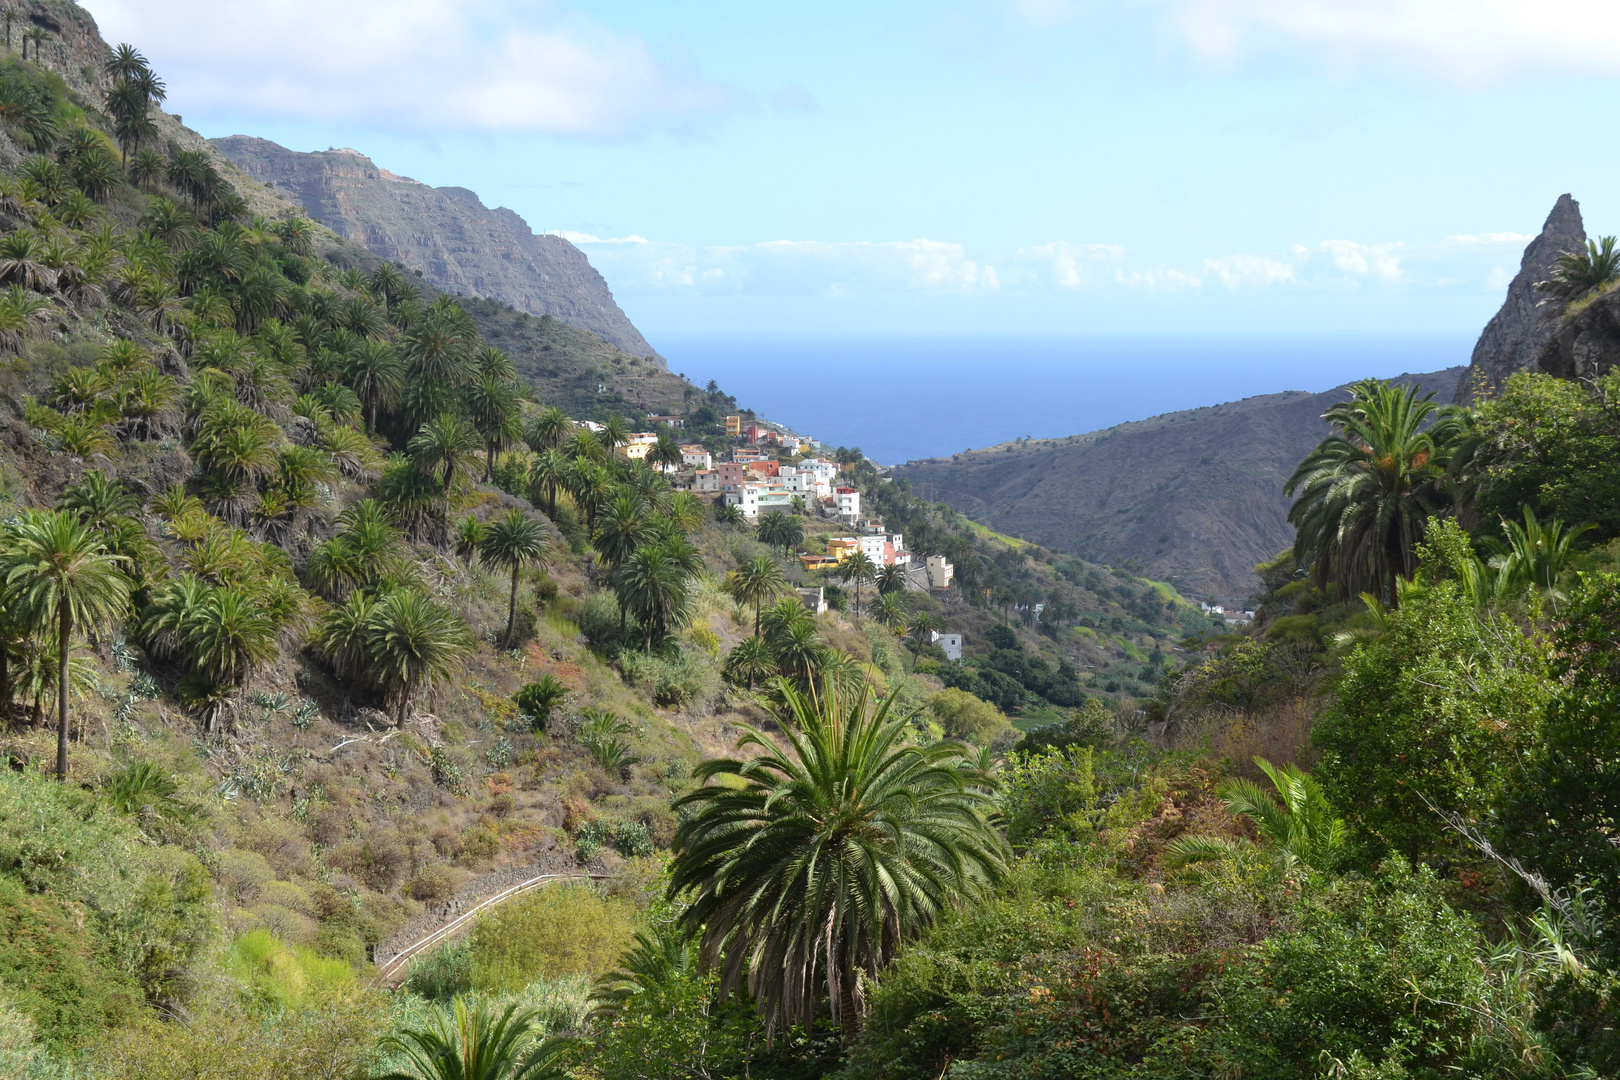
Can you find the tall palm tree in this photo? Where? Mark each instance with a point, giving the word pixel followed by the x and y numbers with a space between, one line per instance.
pixel 751 660
pixel 411 643
pixel 860 569
pixel 923 624
pixel 812 864
pixel 655 587
pixel 666 452
pixel 513 541
pixel 57 576
pixel 492 403
pixel 547 473
pixel 755 582
pixel 892 611
pixel 444 449
pixel 1367 491
pixel 613 434
pixel 891 579
pixel 472 1042
pixel 622 526
pixel 779 530
pixel 377 375
pixel 549 430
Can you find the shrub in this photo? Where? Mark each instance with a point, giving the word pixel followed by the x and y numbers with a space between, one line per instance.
pixel 964 716
pixel 337 1039
pixel 274 975
pixel 689 678
pixel 443 973
pixel 558 930
pixel 1053 789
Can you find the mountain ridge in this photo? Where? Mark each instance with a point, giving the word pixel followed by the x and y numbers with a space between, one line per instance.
pixel 1194 496
pixel 446 233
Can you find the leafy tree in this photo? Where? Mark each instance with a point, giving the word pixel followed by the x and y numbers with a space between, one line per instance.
pixel 811 864
pixel 57 575
pixel 511 542
pixel 755 582
pixel 1366 492
pixel 474 1043
pixel 964 716
pixel 1428 716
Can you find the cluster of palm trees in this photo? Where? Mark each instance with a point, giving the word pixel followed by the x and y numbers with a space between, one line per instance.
pixel 135 89
pixel 787 643
pixel 1365 497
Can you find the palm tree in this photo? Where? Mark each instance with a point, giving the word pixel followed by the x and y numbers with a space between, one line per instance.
pixel 1297 825
pixel 755 582
pixel 377 376
pixel 728 513
pixel 444 449
pixel 548 430
pixel 492 403
pixel 1367 492
pixel 860 569
pixel 513 541
pixel 412 643
pixel 1533 555
pixel 685 512
pixel 893 611
pixel 37 35
pixel 751 659
pixel 58 576
pixel 891 579
pixel 811 865
pixel 473 1043
pixel 227 636
pixel 779 530
pixel 923 624
pixel 613 434
pixel 547 474
pixel 1577 273
pixel 654 586
pixel 621 528
pixel 666 452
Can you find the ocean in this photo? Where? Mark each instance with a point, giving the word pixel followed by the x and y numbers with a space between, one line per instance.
pixel 902 397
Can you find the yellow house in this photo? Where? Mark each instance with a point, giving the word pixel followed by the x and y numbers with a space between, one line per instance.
pixel 733 425
pixel 840 548
pixel 641 442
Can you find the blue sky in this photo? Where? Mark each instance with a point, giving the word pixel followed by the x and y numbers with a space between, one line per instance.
pixel 983 165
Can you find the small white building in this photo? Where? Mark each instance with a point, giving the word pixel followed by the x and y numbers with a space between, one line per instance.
pixel 847 502
pixel 940 572
pixel 950 643
pixel 815 599
pixel 755 499
pixel 706 480
pixel 695 457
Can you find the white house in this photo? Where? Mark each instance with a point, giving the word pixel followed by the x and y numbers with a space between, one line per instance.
pixel 757 498
pixel 951 643
pixel 940 572
pixel 821 472
pixel 706 480
pixel 815 599
pixel 695 457
pixel 848 502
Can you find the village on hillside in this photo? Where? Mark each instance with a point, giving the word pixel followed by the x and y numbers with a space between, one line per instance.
pixel 774 471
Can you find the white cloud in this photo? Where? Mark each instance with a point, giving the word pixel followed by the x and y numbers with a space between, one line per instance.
pixel 1493 238
pixel 1467 41
pixel 875 268
pixel 420 66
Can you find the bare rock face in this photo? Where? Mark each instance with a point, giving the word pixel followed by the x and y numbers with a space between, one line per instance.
pixel 1587 344
pixel 1516 335
pixel 459 244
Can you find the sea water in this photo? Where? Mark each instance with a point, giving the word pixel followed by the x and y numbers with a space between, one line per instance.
pixel 903 397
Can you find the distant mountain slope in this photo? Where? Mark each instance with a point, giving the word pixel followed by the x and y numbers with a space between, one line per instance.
pixel 458 243
pixel 1195 496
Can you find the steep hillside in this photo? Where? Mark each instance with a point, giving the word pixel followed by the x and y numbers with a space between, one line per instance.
pixel 459 244
pixel 1194 497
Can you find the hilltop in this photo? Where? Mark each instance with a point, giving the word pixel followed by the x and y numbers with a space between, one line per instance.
pixel 446 233
pixel 1192 497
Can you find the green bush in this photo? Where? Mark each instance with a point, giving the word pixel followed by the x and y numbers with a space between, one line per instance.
pixel 1385 969
pixel 1050 790
pixel 688 678
pixel 557 930
pixel 275 975
pixel 537 700
pixel 964 716
pixel 443 973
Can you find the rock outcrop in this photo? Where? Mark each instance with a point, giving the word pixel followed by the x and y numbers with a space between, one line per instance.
pixel 1586 344
pixel 459 244
pixel 1516 335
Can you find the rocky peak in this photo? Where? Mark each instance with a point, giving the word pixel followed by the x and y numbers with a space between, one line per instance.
pixel 1517 334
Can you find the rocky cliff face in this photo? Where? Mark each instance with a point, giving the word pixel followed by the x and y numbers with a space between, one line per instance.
pixel 458 243
pixel 1517 334
pixel 1195 496
pixel 1586 344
